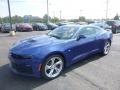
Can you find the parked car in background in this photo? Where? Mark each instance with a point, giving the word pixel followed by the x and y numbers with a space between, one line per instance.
pixel 81 23
pixel 101 25
pixel 115 25
pixel 5 27
pixel 90 22
pixel 47 55
pixel 64 23
pixel 51 26
pixel 39 26
pixel 61 24
pixel 24 27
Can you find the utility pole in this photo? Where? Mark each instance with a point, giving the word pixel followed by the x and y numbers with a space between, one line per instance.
pixel 16 19
pixel 107 9
pixel 54 16
pixel 80 12
pixel 10 20
pixel 47 11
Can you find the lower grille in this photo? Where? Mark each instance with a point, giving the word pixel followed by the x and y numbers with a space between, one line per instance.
pixel 22 68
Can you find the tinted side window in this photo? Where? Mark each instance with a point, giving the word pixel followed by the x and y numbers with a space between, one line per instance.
pixel 110 23
pixel 88 31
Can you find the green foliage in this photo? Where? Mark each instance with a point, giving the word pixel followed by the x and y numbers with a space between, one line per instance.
pixel 17 19
pixel 33 19
pixel 37 19
pixel 74 20
pixel 116 17
pixel 55 19
pixel 82 18
pixel 0 20
pixel 45 18
pixel 5 19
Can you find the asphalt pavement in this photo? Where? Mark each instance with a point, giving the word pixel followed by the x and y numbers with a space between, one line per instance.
pixel 94 73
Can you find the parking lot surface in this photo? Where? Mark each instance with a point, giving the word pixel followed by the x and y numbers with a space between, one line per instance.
pixel 94 73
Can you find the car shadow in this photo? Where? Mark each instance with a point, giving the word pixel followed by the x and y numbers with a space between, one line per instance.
pixel 81 63
pixel 9 81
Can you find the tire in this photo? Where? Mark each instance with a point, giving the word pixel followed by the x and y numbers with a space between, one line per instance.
pixel 106 48
pixel 37 29
pixel 52 67
pixel 115 31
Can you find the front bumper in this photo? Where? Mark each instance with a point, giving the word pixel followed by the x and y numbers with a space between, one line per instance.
pixel 27 67
pixel 5 30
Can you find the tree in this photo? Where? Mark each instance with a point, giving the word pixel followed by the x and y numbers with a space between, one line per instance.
pixel 36 19
pixel 15 19
pixel 74 20
pixel 55 19
pixel 82 18
pixel 45 18
pixel 0 20
pixel 5 19
pixel 116 17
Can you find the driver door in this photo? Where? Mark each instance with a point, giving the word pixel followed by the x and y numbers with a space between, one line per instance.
pixel 84 46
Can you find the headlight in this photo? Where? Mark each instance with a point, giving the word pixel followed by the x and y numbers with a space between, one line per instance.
pixel 18 42
pixel 26 56
pixel 18 56
pixel 14 44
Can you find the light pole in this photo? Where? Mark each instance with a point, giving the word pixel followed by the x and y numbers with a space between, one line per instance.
pixel 54 15
pixel 60 15
pixel 80 12
pixel 10 20
pixel 47 11
pixel 107 9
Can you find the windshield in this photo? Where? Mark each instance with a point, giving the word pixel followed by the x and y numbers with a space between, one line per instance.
pixel 7 24
pixel 64 32
pixel 117 22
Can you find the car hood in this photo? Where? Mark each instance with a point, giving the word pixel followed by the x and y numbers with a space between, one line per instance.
pixel 35 42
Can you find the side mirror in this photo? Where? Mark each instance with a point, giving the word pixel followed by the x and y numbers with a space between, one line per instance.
pixel 80 37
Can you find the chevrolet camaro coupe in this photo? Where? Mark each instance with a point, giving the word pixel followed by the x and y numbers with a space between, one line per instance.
pixel 47 55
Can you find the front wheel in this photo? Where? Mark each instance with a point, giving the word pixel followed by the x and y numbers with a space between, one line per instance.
pixel 53 67
pixel 106 48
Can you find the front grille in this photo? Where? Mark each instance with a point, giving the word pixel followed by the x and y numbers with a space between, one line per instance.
pixel 16 56
pixel 23 68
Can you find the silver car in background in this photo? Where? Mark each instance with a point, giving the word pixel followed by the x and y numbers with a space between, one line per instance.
pixel 5 27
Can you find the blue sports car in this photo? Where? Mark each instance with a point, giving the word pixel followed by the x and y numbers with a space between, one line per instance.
pixel 47 55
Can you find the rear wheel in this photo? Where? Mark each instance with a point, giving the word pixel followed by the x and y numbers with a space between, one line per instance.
pixel 106 48
pixel 115 31
pixel 53 67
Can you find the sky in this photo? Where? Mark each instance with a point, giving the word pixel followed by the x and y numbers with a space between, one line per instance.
pixel 70 9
